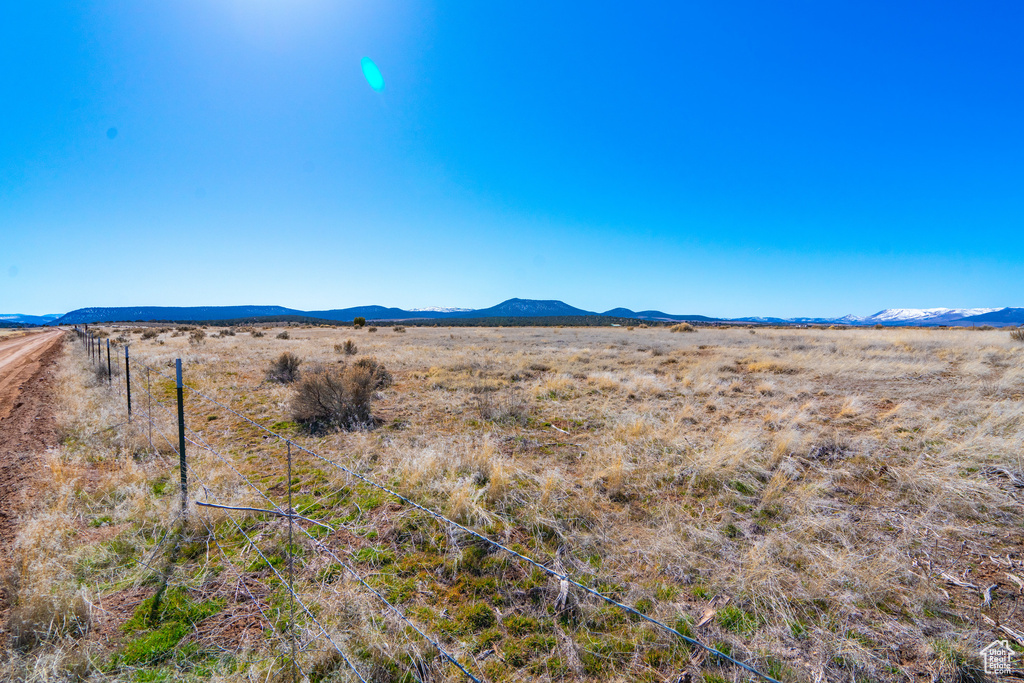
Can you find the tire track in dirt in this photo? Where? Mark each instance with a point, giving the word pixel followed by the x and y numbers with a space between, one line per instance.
pixel 27 429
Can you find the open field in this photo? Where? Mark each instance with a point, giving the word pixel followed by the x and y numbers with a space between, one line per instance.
pixel 848 503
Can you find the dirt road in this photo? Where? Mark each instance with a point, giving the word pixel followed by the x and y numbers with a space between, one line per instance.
pixel 27 427
pixel 19 362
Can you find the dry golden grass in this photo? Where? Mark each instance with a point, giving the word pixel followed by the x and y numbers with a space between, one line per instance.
pixel 823 480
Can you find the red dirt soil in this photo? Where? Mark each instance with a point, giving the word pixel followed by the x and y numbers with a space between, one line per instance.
pixel 27 429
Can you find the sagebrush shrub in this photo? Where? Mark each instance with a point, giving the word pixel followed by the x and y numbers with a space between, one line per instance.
pixel 348 348
pixel 1017 334
pixel 150 334
pixel 342 398
pixel 285 369
pixel 381 377
pixel 399 328
pixel 283 335
pixel 682 327
pixel 371 329
pixel 197 337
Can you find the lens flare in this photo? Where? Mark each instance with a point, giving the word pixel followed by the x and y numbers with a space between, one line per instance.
pixel 373 75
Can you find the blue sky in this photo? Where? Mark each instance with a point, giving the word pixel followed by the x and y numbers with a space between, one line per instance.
pixel 742 158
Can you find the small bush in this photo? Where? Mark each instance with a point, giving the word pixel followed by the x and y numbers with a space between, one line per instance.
pixel 348 348
pixel 339 398
pixel 371 329
pixel 381 377
pixel 682 327
pixel 399 328
pixel 359 321
pixel 257 333
pixel 150 334
pixel 509 408
pixel 285 369
pixel 197 337
pixel 283 335
pixel 1017 334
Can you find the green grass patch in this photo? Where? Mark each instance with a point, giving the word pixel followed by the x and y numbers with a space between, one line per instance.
pixel 160 622
pixel 735 620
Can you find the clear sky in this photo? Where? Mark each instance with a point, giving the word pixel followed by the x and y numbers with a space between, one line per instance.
pixel 722 158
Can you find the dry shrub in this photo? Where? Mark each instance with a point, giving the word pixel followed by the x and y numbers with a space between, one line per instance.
pixel 1017 334
pixel 101 374
pixel 197 337
pixel 47 615
pixel 256 333
pixel 399 328
pixel 682 327
pixel 508 408
pixel 348 348
pixel 283 335
pixel 342 398
pixel 285 369
pixel 371 329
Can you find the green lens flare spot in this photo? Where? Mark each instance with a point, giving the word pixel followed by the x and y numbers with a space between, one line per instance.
pixel 373 75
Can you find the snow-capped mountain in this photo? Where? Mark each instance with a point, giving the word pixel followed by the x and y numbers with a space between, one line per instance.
pixel 917 316
pixel 912 316
pixel 440 309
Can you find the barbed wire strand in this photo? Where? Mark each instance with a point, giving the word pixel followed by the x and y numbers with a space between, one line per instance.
pixel 284 583
pixel 241 580
pixel 206 446
pixel 492 542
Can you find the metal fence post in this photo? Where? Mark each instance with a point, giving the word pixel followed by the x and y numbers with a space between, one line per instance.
pixel 291 562
pixel 110 374
pixel 181 440
pixel 128 381
pixel 149 411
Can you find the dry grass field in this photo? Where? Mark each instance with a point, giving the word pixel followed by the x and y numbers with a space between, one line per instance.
pixel 826 505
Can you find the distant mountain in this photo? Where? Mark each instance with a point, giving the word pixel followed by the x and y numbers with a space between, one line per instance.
pixel 439 309
pixel 21 319
pixel 907 316
pixel 789 321
pixel 523 308
pixel 923 316
pixel 656 316
pixel 1012 316
pixel 175 313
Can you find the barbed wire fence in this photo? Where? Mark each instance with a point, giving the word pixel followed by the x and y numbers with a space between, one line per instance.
pixel 294 639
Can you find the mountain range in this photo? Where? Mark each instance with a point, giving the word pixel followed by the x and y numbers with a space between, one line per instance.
pixel 512 308
pixel 22 319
